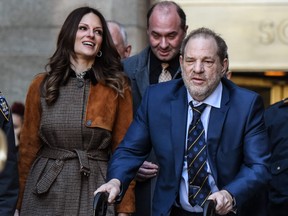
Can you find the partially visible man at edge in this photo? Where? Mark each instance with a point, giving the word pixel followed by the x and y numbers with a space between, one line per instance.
pixel 9 186
pixel 166 29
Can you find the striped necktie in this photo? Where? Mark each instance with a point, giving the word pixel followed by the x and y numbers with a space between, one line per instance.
pixel 199 188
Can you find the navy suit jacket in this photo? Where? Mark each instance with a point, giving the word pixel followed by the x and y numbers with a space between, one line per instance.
pixel 237 143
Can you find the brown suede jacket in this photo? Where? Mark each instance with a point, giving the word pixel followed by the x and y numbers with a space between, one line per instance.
pixel 102 111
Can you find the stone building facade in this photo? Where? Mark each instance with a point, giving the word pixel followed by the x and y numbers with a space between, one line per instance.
pixel 29 30
pixel 257 44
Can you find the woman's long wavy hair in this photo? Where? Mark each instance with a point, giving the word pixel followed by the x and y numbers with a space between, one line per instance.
pixel 107 69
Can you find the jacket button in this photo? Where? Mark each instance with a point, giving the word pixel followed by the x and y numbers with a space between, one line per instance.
pixel 278 168
pixel 89 123
pixel 80 83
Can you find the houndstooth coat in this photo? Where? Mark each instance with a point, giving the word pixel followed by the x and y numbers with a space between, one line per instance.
pixel 67 146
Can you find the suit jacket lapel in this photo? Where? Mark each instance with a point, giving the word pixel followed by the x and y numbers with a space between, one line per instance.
pixel 179 108
pixel 216 123
pixel 142 79
pixel 142 72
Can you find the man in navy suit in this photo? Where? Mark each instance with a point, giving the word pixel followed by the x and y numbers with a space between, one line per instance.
pixel 235 134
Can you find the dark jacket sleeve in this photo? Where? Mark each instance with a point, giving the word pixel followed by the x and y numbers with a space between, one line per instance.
pixel 9 176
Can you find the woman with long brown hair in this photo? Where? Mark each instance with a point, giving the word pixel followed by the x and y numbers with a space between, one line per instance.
pixel 76 114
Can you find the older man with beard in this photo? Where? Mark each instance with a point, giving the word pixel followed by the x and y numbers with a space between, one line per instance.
pixel 232 167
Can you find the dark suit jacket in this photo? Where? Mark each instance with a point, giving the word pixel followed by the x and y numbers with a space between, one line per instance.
pixel 237 143
pixel 276 118
pixel 9 176
pixel 137 68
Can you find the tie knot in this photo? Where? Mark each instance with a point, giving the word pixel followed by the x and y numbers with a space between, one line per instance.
pixel 197 111
pixel 165 74
pixel 164 66
pixel 200 108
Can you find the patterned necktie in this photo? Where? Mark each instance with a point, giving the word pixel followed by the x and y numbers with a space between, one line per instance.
pixel 199 188
pixel 165 74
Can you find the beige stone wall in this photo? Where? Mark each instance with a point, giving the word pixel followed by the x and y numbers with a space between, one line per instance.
pixel 29 29
pixel 256 31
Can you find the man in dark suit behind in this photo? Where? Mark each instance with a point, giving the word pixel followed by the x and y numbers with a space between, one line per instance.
pixel 236 139
pixel 166 29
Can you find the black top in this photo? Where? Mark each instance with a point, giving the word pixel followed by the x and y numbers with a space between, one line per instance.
pixel 88 75
pixel 156 68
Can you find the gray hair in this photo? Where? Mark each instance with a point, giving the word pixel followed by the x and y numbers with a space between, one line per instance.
pixel 123 31
pixel 206 32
